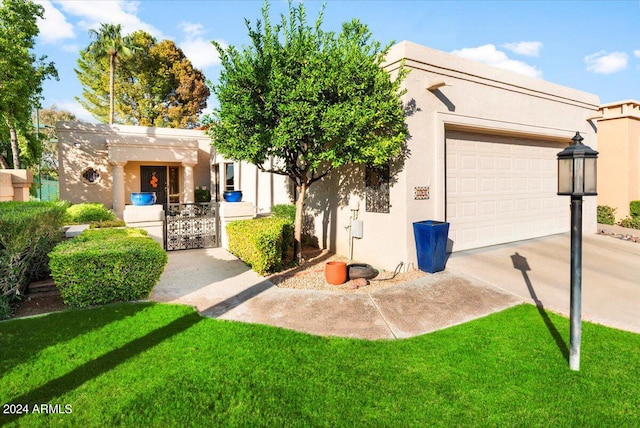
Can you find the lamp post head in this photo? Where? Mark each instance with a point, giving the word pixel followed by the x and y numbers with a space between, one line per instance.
pixel 577 139
pixel 577 169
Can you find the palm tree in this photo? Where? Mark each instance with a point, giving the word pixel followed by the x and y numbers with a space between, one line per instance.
pixel 110 43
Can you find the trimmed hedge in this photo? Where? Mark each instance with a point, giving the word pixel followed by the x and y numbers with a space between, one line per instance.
pixel 88 213
pixel 105 224
pixel 101 266
pixel 284 211
pixel 28 232
pixel 634 209
pixel 606 214
pixel 262 243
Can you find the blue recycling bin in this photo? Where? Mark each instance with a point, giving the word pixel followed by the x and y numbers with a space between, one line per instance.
pixel 431 244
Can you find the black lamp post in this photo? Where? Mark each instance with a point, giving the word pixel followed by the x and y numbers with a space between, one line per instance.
pixel 576 178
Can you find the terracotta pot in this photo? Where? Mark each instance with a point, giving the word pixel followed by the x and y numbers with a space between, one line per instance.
pixel 335 273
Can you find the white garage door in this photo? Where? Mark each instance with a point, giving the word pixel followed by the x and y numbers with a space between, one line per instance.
pixel 502 189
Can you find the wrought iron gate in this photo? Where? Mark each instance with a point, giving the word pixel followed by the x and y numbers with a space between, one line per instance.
pixel 193 225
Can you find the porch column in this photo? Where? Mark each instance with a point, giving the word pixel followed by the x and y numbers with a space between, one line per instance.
pixel 187 180
pixel 117 187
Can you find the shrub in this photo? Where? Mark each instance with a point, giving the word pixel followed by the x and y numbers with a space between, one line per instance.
pixel 87 213
pixel 606 214
pixel 101 266
pixel 261 243
pixel 28 232
pixel 202 194
pixel 634 209
pixel 104 224
pixel 284 211
pixel 630 222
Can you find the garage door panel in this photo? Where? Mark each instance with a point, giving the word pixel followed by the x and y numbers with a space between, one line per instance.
pixel 488 184
pixel 506 193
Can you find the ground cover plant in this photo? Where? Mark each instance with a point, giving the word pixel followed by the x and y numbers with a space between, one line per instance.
pixel 606 214
pixel 153 364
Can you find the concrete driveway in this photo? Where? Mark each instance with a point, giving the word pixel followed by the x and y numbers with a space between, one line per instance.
pixel 539 271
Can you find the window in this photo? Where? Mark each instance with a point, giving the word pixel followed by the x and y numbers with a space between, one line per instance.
pixel 377 189
pixel 229 184
pixel 174 184
pixel 90 176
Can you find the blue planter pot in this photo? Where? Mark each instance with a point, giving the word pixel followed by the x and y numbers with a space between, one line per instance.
pixel 431 244
pixel 143 198
pixel 232 196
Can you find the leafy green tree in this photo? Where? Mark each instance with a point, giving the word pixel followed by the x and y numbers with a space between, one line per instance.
pixel 109 43
pixel 310 99
pixel 155 86
pixel 21 77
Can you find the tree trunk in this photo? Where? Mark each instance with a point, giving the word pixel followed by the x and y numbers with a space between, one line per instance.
pixel 297 231
pixel 112 72
pixel 3 163
pixel 13 135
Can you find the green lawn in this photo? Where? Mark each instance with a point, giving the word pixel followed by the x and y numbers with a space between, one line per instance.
pixel 164 365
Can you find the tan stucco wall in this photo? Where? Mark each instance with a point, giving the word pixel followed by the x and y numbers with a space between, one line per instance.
pixel 476 97
pixel 619 158
pixel 72 161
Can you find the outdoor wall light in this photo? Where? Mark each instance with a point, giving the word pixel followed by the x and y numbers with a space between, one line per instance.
pixel 76 144
pixel 576 178
pixel 577 169
pixel 436 84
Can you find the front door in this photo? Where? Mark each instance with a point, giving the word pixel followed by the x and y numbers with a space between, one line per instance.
pixel 154 179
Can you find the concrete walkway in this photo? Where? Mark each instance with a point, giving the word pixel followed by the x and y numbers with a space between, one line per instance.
pixel 475 284
pixel 221 286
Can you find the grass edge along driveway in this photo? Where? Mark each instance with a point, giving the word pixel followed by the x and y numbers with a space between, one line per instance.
pixel 151 364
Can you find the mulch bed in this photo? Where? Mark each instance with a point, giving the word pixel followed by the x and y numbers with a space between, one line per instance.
pixel 38 303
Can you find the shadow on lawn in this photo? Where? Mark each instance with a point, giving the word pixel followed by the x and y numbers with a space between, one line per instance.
pixel 26 337
pixel 94 368
pixel 520 263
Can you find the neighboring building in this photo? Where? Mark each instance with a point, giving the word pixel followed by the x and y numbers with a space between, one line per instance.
pixel 481 155
pixel 619 159
pixel 14 184
pixel 106 163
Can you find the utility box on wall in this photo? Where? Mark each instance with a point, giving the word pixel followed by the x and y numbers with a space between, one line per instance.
pixel 356 229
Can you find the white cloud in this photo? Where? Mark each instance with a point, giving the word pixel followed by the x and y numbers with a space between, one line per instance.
pixel 123 12
pixel 191 29
pixel 488 54
pixel 74 107
pixel 606 63
pixel 54 27
pixel 196 47
pixel 201 53
pixel 524 48
pixel 637 53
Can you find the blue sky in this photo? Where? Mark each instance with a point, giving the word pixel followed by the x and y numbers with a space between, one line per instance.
pixel 593 46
